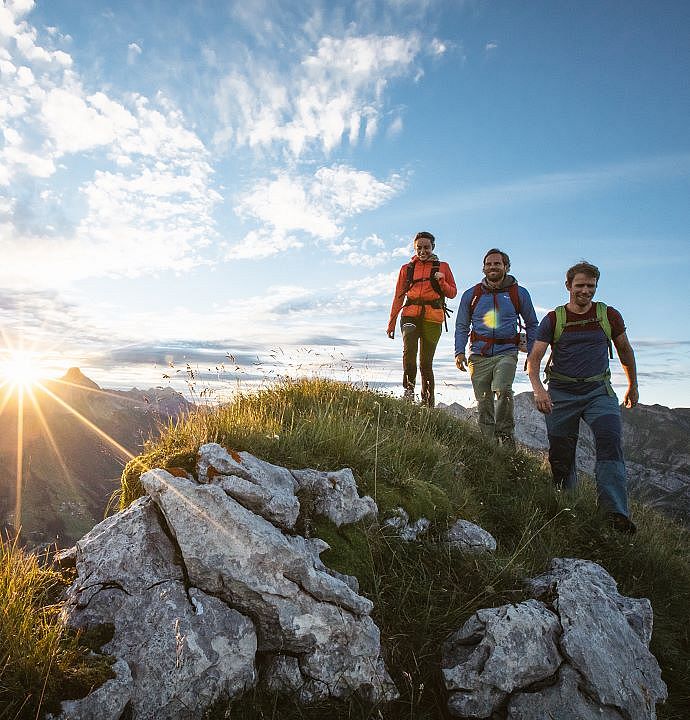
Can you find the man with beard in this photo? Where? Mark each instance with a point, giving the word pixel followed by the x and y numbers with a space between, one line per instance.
pixel 492 309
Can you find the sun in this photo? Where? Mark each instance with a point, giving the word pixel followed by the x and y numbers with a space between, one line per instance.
pixel 20 368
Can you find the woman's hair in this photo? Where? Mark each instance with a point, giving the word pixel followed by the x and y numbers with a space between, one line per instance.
pixel 427 235
pixel 584 267
pixel 496 251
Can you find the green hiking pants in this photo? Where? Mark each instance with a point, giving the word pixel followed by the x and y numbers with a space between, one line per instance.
pixel 422 334
pixel 492 380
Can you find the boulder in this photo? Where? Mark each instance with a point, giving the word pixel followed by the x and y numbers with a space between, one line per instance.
pixel 605 636
pixel 497 651
pixel 334 495
pixel 183 647
pixel 187 584
pixel 470 538
pixel 578 650
pixel 279 581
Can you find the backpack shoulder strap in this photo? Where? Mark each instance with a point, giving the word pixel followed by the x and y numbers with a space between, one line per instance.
pixel 434 282
pixel 477 292
pixel 560 323
pixel 514 292
pixel 603 320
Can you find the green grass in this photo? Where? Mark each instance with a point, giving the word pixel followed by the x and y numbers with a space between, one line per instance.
pixel 39 661
pixel 437 467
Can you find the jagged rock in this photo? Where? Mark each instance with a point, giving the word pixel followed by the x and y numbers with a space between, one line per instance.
pixel 605 636
pixel 409 532
pixel 265 489
pixel 107 702
pixel 596 638
pixel 562 700
pixel 334 495
pixel 468 537
pixel 279 581
pixel 497 651
pixel 184 648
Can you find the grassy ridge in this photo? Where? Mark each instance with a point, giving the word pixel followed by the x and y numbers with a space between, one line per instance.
pixel 437 467
pixel 40 662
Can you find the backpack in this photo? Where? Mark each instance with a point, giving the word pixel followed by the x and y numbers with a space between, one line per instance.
pixel 439 304
pixel 602 318
pixel 562 323
pixel 514 294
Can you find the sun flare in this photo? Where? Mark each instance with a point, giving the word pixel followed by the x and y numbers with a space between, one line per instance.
pixel 21 369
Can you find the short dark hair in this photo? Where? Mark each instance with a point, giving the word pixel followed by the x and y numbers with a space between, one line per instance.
pixel 427 235
pixel 584 267
pixel 496 251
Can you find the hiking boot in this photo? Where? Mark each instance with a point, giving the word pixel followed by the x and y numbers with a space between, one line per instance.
pixel 428 400
pixel 622 524
pixel 408 394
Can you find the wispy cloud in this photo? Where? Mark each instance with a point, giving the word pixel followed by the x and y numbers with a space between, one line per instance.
pixel 333 93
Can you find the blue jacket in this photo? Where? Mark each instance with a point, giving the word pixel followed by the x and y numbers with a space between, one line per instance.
pixel 494 316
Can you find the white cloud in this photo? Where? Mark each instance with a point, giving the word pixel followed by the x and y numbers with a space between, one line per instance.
pixel 133 52
pixel 148 203
pixel 373 286
pixel 491 46
pixel 332 94
pixel 316 205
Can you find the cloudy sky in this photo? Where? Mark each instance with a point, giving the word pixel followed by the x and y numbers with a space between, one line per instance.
pixel 235 185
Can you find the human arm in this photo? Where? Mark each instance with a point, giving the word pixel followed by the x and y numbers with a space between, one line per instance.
pixel 398 301
pixel 462 324
pixel 627 358
pixel 529 316
pixel 541 397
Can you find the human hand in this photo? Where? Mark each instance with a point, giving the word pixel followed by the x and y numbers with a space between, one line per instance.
pixel 543 402
pixel 391 334
pixel 461 362
pixel 439 276
pixel 631 397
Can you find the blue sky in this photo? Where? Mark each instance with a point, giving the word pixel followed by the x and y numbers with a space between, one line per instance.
pixel 180 182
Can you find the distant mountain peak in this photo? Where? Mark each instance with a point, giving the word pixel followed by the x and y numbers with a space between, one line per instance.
pixel 75 376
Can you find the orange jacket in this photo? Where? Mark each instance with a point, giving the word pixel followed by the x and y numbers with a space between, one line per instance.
pixel 421 291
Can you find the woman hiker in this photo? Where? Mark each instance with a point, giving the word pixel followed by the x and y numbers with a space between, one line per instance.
pixel 423 285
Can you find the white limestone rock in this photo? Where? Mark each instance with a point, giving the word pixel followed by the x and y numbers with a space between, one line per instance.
pixel 605 636
pixel 580 651
pixel 263 488
pixel 334 495
pixel 279 581
pixel 106 702
pixel 409 532
pixel 497 651
pixel 470 538
pixel 181 659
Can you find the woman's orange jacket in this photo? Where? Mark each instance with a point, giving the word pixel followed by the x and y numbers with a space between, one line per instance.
pixel 421 291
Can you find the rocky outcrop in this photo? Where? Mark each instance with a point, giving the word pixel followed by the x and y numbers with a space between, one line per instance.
pixel 195 578
pixel 577 650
